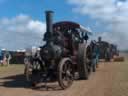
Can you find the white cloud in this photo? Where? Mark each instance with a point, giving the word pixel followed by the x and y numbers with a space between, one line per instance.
pixel 36 26
pixel 113 12
pixel 20 32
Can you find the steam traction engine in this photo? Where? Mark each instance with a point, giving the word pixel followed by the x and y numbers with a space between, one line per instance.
pixel 107 50
pixel 63 54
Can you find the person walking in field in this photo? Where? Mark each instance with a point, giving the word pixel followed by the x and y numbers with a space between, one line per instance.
pixel 97 50
pixel 7 58
pixel 107 54
pixel 4 61
pixel 95 55
pixel 1 57
pixel 92 55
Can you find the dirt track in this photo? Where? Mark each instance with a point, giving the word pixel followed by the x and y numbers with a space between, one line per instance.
pixel 110 80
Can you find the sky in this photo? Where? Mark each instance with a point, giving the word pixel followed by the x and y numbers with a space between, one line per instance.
pixel 22 22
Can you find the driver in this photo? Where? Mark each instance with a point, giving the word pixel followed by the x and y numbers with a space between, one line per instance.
pixel 57 37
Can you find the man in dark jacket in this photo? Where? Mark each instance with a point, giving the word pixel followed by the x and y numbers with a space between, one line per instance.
pixel 94 55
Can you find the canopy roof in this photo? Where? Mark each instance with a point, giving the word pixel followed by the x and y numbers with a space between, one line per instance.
pixel 70 25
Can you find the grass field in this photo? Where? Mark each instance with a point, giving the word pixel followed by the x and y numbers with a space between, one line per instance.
pixel 11 67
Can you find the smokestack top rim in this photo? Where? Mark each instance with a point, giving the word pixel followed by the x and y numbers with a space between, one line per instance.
pixel 49 11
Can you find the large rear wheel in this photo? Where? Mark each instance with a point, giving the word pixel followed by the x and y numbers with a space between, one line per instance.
pixel 82 63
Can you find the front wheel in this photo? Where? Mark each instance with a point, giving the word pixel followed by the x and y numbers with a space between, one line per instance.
pixel 36 72
pixel 28 72
pixel 65 73
pixel 28 69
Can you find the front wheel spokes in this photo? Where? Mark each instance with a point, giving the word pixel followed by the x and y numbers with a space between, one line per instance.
pixel 67 73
